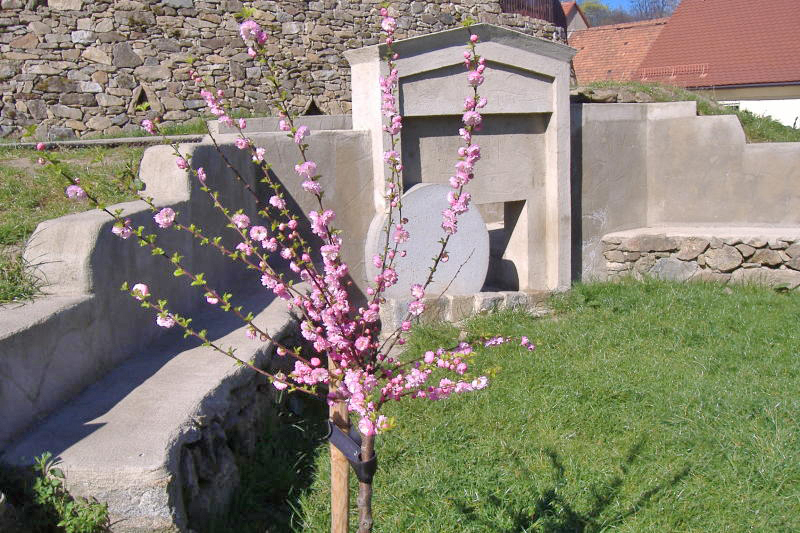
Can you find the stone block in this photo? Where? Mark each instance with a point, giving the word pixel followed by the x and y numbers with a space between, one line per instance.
pixel 152 73
pixel 746 250
pixel 459 307
pixel 89 87
pixel 178 4
pixel 515 299
pixel 82 36
pixel 63 111
pixel 649 243
pixel 766 256
pixel 615 256
pixel 96 55
pixel 716 243
pixel 644 263
pixel 81 99
pixel 757 242
pixel 37 109
pixel 104 25
pixel 99 123
pixel 794 263
pixel 25 42
pixel 107 100
pixel 672 269
pixel 125 57
pixel 7 70
pixel 724 259
pixel 39 28
pixel 691 247
pixel 706 275
pixel 488 301
pixel 76 125
pixel 788 279
pixel 793 250
pixel 65 5
pixel 777 244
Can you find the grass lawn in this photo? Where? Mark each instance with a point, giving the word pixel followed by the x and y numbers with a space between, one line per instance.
pixel 756 128
pixel 30 194
pixel 648 407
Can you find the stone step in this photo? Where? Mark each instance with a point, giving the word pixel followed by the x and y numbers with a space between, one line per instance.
pixel 155 438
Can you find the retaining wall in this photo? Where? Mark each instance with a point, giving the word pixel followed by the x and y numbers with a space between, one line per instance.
pixel 661 165
pixel 77 67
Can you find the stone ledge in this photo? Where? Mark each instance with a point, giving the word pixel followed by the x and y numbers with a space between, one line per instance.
pixel 760 255
pixel 160 455
pixel 457 307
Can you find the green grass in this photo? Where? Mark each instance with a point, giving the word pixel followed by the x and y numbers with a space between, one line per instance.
pixel 756 128
pixel 648 407
pixel 30 194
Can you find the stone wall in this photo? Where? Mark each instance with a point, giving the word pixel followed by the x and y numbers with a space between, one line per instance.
pixel 77 67
pixel 769 259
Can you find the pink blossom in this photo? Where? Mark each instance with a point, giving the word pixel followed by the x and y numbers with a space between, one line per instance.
pixel 473 38
pixel 472 118
pixel 165 321
pixel 140 291
pixel 249 29
pixel 306 169
pixel 182 163
pixel 258 233
pixel 201 175
pixel 251 52
pixel 259 154
pixel 240 220
pixel 213 300
pixel 75 192
pixel 277 201
pixel 301 133
pixel 389 24
pixel 245 248
pixel 242 123
pixel 362 343
pixel 122 230
pixel 474 78
pixel 148 126
pixel 165 217
pixel 280 379
pixel 312 186
pixel 405 325
pixel 284 125
pixel 416 308
pixel 241 143
pixel 366 426
pixel 40 147
pixel 417 291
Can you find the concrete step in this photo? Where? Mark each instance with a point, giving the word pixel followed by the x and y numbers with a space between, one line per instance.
pixel 155 438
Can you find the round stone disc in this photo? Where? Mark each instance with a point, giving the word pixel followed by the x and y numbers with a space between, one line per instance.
pixel 468 248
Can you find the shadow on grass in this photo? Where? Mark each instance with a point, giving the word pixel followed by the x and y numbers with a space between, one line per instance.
pixel 280 471
pixel 554 514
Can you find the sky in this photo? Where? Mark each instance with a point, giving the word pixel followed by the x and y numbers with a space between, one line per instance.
pixel 615 3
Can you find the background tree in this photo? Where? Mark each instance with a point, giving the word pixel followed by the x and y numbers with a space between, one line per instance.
pixel 652 9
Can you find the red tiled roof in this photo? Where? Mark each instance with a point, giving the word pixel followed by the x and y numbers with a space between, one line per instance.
pixel 613 52
pixel 727 42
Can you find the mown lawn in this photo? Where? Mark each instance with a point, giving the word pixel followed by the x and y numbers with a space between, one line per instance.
pixel 650 407
pixel 30 194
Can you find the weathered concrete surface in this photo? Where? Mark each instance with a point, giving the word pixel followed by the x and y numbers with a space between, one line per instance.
pixel 53 348
pixel 654 165
pixel 528 86
pixel 121 440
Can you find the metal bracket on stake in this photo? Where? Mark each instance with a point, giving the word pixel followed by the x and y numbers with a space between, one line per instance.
pixel 350 446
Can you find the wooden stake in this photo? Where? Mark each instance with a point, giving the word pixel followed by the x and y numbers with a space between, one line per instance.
pixel 340 472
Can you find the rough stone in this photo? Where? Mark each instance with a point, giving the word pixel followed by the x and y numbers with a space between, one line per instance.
pixel 81 99
pixel 616 256
pixel 89 87
pixel 777 244
pixel 37 109
pixel 99 123
pixel 27 41
pixel 691 247
pixel 464 273
pixel 7 70
pixel 788 279
pixel 65 5
pixel 757 242
pixel 724 259
pixel 766 257
pixel 152 73
pixel 794 250
pixel 488 301
pixel 794 263
pixel 107 100
pixel 672 269
pixel 39 28
pixel 746 250
pixel 66 112
pixel 82 37
pixel 716 243
pixel 644 263
pixel 649 243
pixel 706 275
pixel 125 57
pixel 459 307
pixel 97 55
pixel 177 4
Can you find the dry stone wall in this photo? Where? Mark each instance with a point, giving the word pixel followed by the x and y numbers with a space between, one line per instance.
pixel 771 261
pixel 79 67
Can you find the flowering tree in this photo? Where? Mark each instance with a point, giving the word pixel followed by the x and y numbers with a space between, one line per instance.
pixel 347 361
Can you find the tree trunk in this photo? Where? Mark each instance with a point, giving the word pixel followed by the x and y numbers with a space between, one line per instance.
pixel 365 489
